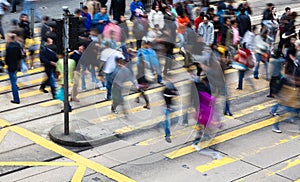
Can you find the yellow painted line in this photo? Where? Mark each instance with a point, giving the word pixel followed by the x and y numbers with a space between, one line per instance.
pixel 22 84
pixel 36 70
pixel 3 133
pixel 32 93
pixel 13 163
pixel 175 134
pixel 225 137
pixel 254 108
pixel 250 93
pixel 81 95
pixel 67 153
pixel 231 70
pixel 107 103
pixel 181 132
pixel 215 164
pixel 298 180
pixel 79 174
pixel 289 164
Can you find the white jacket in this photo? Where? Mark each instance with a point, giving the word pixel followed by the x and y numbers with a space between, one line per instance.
pixel 207 32
pixel 1 8
pixel 156 18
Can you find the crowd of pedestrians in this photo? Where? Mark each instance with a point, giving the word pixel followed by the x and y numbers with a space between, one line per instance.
pixel 212 40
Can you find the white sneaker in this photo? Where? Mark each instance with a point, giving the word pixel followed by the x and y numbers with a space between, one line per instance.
pixel 196 147
pixel 276 130
pixel 102 88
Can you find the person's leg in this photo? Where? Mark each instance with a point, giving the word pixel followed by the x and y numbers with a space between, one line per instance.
pixel 258 57
pixel 46 82
pixel 241 77
pixel 108 85
pixel 52 83
pixel 274 108
pixel 14 87
pixel 93 72
pixel 267 70
pixel 1 29
pixel 83 85
pixel 167 126
pixel 14 6
pixel 26 7
pixel 74 92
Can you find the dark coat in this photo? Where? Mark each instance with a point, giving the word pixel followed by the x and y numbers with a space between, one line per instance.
pixel 244 24
pixel 48 55
pixel 13 56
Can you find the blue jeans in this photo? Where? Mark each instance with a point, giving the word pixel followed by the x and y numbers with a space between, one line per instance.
pixel 181 39
pixel 14 87
pixel 258 57
pixel 27 5
pixel 50 80
pixel 275 107
pixel 93 73
pixel 109 81
pixel 167 123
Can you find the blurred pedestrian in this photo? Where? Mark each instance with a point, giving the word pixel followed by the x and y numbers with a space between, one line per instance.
pixel 169 93
pixel 60 71
pixel 13 56
pixel 49 58
pixel 32 4
pixel 117 9
pixel 101 19
pixel 3 4
pixel 88 18
pixel 261 49
pixel 120 75
pixel 76 55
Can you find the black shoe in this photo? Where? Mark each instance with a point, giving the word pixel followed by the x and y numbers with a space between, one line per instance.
pixel 256 77
pixel 239 88
pixel 270 96
pixel 13 12
pixel 44 90
pixel 168 139
pixel 62 111
pixel 228 113
pixel 14 102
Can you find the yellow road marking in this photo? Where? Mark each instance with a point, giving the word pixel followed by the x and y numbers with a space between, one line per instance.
pixel 227 136
pixel 254 108
pixel 289 164
pixel 13 163
pixel 79 174
pixel 32 93
pixel 81 95
pixel 40 69
pixel 250 93
pixel 215 164
pixel 183 131
pixel 67 153
pixel 3 132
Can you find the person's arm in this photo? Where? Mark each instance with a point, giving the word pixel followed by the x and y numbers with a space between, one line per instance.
pixel 96 19
pixel 212 35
